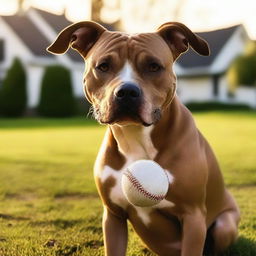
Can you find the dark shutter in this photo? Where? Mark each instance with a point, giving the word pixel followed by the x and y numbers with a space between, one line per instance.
pixel 216 81
pixel 1 50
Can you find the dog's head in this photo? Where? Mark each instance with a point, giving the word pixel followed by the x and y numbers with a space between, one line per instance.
pixel 129 78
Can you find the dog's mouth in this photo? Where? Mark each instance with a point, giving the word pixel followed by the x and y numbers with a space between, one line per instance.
pixel 125 120
pixel 127 116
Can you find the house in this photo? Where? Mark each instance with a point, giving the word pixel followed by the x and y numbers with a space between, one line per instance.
pixel 203 78
pixel 26 36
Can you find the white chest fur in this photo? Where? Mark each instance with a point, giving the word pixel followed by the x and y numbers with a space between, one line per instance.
pixel 116 193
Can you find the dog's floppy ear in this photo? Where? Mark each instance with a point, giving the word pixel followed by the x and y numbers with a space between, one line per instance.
pixel 80 36
pixel 179 38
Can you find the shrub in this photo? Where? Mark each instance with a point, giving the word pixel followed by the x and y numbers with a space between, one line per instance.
pixel 83 106
pixel 243 71
pixel 251 48
pixel 56 98
pixel 13 94
pixel 213 105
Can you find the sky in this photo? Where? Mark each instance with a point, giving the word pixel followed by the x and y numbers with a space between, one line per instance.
pixel 147 15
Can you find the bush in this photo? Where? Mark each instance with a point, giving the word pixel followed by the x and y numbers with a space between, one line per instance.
pixel 243 71
pixel 251 48
pixel 56 98
pixel 13 94
pixel 211 106
pixel 83 106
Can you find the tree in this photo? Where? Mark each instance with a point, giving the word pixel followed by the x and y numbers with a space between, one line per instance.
pixel 56 98
pixel 13 93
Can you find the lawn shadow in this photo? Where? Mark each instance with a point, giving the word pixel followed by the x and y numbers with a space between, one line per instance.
pixel 75 249
pixel 243 247
pixel 11 217
pixel 37 122
pixel 59 223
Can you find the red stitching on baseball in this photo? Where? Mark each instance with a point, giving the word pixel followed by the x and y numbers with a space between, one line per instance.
pixel 140 188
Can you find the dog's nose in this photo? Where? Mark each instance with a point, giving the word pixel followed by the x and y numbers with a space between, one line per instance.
pixel 127 92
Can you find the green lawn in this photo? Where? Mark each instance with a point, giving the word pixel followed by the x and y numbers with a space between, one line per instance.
pixel 48 200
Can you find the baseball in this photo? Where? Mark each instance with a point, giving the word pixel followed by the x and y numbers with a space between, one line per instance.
pixel 145 183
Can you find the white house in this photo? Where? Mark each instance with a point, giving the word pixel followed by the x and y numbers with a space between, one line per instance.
pixel 203 78
pixel 26 35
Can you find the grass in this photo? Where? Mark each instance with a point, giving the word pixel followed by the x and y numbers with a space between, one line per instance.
pixel 48 200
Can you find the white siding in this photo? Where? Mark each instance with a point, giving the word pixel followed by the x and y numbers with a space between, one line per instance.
pixel 77 79
pixel 34 78
pixel 246 95
pixel 195 89
pixel 223 89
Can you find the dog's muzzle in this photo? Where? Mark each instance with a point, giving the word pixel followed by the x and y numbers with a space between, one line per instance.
pixel 128 99
pixel 127 104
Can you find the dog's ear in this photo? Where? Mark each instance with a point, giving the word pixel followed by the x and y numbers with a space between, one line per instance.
pixel 80 36
pixel 179 38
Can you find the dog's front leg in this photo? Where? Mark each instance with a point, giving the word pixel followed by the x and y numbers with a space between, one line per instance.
pixel 115 234
pixel 194 233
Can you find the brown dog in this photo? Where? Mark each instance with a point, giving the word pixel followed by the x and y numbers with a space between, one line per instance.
pixel 130 82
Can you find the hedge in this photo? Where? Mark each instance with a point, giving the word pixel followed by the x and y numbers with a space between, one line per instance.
pixel 243 71
pixel 13 93
pixel 213 105
pixel 56 98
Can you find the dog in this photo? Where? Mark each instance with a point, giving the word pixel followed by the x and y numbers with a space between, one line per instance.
pixel 131 85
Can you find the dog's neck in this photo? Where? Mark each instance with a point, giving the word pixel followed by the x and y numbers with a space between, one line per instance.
pixel 134 141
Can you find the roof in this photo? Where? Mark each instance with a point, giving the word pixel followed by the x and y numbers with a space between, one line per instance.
pixel 216 40
pixel 29 34
pixel 32 37
pixel 57 23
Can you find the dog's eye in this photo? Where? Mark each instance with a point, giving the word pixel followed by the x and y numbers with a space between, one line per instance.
pixel 154 67
pixel 103 67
